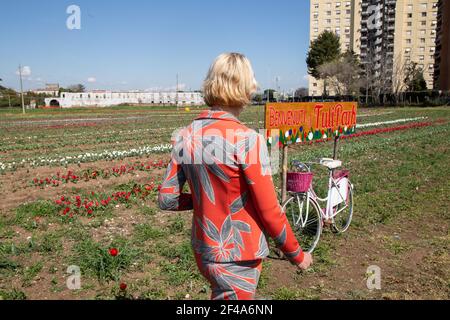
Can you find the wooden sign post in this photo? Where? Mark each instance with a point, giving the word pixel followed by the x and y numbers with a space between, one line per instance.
pixel 306 122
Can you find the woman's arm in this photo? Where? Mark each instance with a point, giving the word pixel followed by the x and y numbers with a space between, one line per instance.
pixel 170 195
pixel 257 172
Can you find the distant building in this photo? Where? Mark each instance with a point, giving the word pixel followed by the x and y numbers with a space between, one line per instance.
pixel 386 35
pixel 109 98
pixel 51 89
pixel 442 66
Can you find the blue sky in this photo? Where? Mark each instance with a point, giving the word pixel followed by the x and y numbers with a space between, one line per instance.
pixel 143 44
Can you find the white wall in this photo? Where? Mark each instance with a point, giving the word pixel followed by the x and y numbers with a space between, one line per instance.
pixel 106 99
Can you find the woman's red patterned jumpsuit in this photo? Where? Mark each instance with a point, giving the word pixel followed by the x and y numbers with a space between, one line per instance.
pixel 235 205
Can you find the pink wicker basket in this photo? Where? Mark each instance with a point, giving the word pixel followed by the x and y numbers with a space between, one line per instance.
pixel 299 181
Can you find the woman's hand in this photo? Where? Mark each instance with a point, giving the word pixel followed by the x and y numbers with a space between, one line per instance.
pixel 307 261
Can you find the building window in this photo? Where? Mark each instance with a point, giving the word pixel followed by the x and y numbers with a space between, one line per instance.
pixel 424 14
pixel 409 24
pixel 338 4
pixel 409 15
pixel 408 41
pixel 410 7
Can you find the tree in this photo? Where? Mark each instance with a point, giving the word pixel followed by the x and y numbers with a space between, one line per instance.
pixel 258 98
pixel 269 93
pixel 326 48
pixel 343 74
pixel 77 88
pixel 301 92
pixel 414 79
pixel 73 88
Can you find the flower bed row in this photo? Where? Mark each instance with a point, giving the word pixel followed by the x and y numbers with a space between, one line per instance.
pixel 380 130
pixel 90 204
pixel 92 174
pixel 86 157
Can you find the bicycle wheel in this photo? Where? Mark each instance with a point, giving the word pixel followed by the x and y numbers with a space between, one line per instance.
pixel 307 225
pixel 343 219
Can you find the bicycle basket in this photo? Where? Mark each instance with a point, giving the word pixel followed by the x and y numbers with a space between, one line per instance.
pixel 299 181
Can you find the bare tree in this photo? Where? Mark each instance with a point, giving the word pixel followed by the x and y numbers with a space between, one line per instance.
pixel 343 74
pixel 398 77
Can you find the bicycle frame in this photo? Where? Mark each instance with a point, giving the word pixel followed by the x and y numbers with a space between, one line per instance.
pixel 334 193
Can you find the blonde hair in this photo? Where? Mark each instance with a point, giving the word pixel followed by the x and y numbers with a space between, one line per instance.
pixel 230 81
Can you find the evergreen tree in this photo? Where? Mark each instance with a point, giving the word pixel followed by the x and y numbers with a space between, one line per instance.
pixel 326 48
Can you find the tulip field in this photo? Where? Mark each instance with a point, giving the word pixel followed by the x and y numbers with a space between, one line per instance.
pixel 78 192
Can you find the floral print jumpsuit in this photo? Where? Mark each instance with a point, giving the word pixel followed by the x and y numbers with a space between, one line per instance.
pixel 235 205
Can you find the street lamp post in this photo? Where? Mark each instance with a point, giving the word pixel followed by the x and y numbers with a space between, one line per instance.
pixel 21 89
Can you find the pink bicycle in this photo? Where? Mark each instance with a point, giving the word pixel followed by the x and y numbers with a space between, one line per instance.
pixel 304 209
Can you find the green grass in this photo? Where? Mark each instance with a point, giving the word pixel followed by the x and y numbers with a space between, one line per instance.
pixel 95 259
pixel 29 273
pixel 13 294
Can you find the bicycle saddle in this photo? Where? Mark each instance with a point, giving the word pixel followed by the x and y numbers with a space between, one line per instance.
pixel 331 163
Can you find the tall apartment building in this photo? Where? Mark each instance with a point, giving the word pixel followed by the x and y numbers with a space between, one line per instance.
pixel 338 17
pixel 442 63
pixel 415 35
pixel 387 34
pixel 377 41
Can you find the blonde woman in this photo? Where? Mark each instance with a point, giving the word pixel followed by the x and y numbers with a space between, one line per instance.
pixel 232 194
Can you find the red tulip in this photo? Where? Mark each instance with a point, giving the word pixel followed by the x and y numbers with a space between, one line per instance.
pixel 123 286
pixel 113 252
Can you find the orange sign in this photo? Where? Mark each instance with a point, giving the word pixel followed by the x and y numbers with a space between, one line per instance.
pixel 306 121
